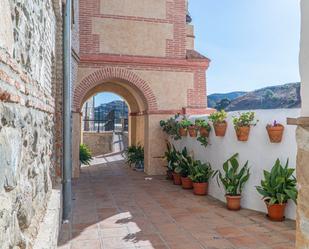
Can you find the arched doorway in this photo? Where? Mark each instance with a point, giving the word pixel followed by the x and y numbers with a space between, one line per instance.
pixel 133 90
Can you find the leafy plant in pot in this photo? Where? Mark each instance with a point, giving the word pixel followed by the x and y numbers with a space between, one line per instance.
pixel 277 188
pixel 177 171
pixel 183 168
pixel 275 132
pixel 233 179
pixel 135 155
pixel 200 175
pixel 203 126
pixel 219 122
pixel 243 123
pixel 171 157
pixel 85 155
pixel 183 126
pixel 171 127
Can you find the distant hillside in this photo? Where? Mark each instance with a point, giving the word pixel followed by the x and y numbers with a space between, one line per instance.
pixel 274 97
pixel 213 99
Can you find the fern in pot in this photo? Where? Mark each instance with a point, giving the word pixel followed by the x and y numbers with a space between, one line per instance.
pixel 233 180
pixel 200 175
pixel 277 188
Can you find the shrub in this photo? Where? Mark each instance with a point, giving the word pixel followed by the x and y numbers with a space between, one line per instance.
pixel 85 155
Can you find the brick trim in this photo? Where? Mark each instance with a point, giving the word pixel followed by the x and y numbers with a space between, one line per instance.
pixel 108 74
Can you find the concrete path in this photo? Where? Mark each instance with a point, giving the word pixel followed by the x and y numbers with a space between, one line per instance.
pixel 118 208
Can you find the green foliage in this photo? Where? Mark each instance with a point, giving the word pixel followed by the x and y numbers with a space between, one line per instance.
pixel 234 178
pixel 85 155
pixel 218 117
pixel 185 123
pixel 171 156
pixel 203 140
pixel 245 119
pixel 134 154
pixel 171 126
pixel 184 163
pixel 222 104
pixel 203 124
pixel 201 172
pixel 279 185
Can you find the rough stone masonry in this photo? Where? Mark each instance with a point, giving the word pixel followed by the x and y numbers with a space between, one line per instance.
pixel 28 65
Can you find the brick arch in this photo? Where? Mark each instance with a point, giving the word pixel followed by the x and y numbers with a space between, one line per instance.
pixel 111 74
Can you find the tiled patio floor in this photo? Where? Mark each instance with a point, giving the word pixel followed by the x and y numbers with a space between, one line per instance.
pixel 116 208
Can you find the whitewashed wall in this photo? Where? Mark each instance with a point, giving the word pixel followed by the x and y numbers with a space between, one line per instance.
pixel 258 150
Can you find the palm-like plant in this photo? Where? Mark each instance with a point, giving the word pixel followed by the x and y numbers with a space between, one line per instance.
pixel 85 155
pixel 201 172
pixel 234 178
pixel 279 185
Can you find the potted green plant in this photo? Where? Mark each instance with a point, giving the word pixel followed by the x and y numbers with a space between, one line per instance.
pixel 177 171
pixel 171 157
pixel 183 126
pixel 275 132
pixel 203 127
pixel 183 168
pixel 193 130
pixel 200 175
pixel 243 123
pixel 219 122
pixel 135 155
pixel 171 127
pixel 277 188
pixel 233 179
pixel 85 155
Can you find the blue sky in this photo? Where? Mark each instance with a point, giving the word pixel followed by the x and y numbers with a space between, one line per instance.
pixel 252 43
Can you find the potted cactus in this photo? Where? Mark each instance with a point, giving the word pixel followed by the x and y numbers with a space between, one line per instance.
pixel 275 132
pixel 233 179
pixel 277 188
pixel 219 122
pixel 203 127
pixel 242 125
pixel 200 175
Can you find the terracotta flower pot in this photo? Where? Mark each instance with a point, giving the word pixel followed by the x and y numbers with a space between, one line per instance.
pixel 220 129
pixel 176 178
pixel 192 131
pixel 243 133
pixel 204 132
pixel 186 183
pixel 169 174
pixel 276 211
pixel 183 132
pixel 200 188
pixel 275 133
pixel 233 202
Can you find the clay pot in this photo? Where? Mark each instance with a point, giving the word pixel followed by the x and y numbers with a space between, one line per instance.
pixel 186 183
pixel 243 133
pixel 200 188
pixel 183 132
pixel 276 211
pixel 275 133
pixel 192 131
pixel 176 178
pixel 220 129
pixel 204 132
pixel 233 202
pixel 169 174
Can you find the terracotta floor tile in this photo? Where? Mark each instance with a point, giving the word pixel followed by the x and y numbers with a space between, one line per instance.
pixel 156 214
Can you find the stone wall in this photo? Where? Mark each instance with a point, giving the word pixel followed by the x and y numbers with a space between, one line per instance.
pixel 30 78
pixel 99 143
